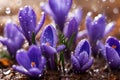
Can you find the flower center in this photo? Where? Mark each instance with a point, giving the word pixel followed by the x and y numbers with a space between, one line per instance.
pixel 114 46
pixel 33 64
pixel 47 43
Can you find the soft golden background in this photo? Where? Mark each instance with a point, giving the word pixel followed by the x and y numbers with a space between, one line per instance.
pixel 111 8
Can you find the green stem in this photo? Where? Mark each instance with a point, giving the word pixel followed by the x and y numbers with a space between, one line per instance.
pixel 62 60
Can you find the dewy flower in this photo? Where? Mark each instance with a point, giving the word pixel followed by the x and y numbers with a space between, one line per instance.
pixel 81 59
pixel 98 27
pixel 58 9
pixel 31 62
pixel 13 38
pixel 48 42
pixel 72 27
pixel 27 18
pixel 113 52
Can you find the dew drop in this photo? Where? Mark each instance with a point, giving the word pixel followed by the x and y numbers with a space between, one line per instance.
pixel 103 76
pixel 89 13
pixel 8 10
pixel 28 32
pixel 30 20
pixel 112 1
pixel 103 0
pixel 109 62
pixel 96 70
pixel 42 4
pixel 115 10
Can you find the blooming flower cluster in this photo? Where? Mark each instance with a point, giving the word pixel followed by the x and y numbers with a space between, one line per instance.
pixel 55 40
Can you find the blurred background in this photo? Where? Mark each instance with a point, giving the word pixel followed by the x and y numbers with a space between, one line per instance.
pixel 111 8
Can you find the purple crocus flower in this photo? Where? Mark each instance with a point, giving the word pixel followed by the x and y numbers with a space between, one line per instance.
pixel 98 27
pixel 58 9
pixel 31 62
pixel 48 42
pixel 113 52
pixel 81 59
pixel 72 27
pixel 13 38
pixel 27 18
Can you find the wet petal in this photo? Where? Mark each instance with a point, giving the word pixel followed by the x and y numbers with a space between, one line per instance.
pixel 87 65
pixel 88 22
pixel 27 18
pixel 40 24
pixel 42 63
pixel 83 45
pixel 83 58
pixel 60 9
pixel 21 69
pixel 109 27
pixel 35 72
pixel 13 38
pixel 11 47
pixel 113 58
pixel 61 47
pixel 10 30
pixel 23 59
pixel 101 48
pixel 78 15
pixel 75 63
pixel 46 8
pixel 34 54
pixel 49 49
pixel 113 42
pixel 95 31
pixel 3 40
pixel 71 28
pixel 49 36
pixel 81 34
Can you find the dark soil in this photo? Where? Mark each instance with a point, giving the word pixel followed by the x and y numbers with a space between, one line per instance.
pixel 99 71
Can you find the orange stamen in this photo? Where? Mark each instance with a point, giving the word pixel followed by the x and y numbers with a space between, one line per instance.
pixel 33 64
pixel 114 46
pixel 47 43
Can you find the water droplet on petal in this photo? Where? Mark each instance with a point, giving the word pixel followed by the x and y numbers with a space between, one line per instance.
pixel 109 62
pixel 89 13
pixel 8 10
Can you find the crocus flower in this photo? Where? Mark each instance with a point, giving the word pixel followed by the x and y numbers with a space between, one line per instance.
pixel 13 38
pixel 58 9
pixel 81 59
pixel 113 52
pixel 27 18
pixel 31 62
pixel 98 27
pixel 48 42
pixel 72 27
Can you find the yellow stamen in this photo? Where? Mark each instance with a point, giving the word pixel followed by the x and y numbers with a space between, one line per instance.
pixel 33 64
pixel 114 46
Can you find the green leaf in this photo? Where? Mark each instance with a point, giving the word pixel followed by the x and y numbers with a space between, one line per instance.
pixel 71 40
pixel 33 38
pixel 62 60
